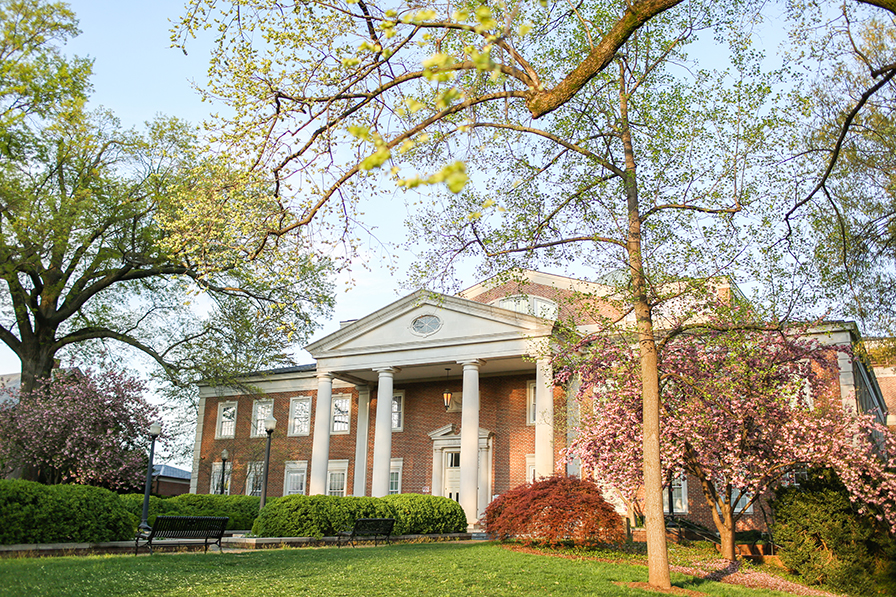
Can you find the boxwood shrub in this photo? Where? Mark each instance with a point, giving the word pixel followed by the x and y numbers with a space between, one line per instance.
pixel 316 515
pixel 242 509
pixel 418 514
pixel 35 513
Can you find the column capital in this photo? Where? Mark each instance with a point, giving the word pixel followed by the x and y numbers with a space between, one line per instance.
pixel 386 370
pixel 472 362
pixel 325 375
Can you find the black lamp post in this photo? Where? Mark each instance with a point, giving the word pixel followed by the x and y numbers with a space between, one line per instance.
pixel 269 424
pixel 154 430
pixel 224 456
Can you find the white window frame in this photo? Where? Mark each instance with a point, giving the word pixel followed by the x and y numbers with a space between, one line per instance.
pixel 254 476
pixel 257 427
pixel 398 397
pixel 528 304
pixel 396 467
pixel 291 431
pixel 531 411
pixel 215 481
pixel 679 495
pixel 337 467
pixel 530 468
pixel 219 427
pixel 295 466
pixel 348 425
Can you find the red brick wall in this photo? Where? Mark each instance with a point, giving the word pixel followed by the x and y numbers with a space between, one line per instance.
pixel 502 411
pixel 244 449
pixel 573 307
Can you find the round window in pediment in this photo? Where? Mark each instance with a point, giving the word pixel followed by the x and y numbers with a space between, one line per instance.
pixel 426 325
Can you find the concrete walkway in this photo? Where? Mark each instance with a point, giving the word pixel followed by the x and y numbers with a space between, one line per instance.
pixel 236 542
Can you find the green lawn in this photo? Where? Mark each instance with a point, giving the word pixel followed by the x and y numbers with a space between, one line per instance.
pixel 423 570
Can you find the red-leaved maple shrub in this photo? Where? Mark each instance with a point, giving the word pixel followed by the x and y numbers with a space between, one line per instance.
pixel 555 511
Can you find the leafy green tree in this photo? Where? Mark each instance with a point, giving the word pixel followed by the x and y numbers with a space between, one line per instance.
pixel 89 264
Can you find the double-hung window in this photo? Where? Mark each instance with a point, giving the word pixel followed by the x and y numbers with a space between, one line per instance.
pixel 254 475
pixel 530 403
pixel 295 477
pixel 398 412
pixel 216 478
pixel 395 469
pixel 679 495
pixel 299 416
pixel 261 410
pixel 337 473
pixel 226 420
pixel 339 421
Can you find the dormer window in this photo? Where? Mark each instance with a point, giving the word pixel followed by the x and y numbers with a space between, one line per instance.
pixel 530 305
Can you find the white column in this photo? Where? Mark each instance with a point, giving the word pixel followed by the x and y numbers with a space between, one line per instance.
pixel 382 440
pixel 469 441
pixel 484 477
pixel 197 452
pixel 438 469
pixel 362 428
pixel 320 448
pixel 544 419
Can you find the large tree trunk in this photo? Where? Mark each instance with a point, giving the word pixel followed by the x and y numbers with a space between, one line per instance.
pixel 37 362
pixel 657 553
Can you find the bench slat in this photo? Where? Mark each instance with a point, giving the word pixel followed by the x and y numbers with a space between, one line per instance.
pixel 184 527
pixel 369 527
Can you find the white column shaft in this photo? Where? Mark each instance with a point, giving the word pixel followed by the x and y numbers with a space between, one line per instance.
pixel 362 428
pixel 469 442
pixel 320 447
pixel 544 419
pixel 382 441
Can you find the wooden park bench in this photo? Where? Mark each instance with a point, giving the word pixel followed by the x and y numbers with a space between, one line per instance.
pixel 368 527
pixel 184 527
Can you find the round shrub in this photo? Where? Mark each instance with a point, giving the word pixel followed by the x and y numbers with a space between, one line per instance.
pixel 35 513
pixel 823 538
pixel 241 509
pixel 418 514
pixel 555 511
pixel 316 515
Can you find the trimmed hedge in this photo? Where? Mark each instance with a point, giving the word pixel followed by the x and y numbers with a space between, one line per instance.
pixel 418 514
pixel 242 509
pixel 325 516
pixel 316 515
pixel 36 513
pixel 823 538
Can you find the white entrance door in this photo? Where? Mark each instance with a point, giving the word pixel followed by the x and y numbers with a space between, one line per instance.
pixel 451 487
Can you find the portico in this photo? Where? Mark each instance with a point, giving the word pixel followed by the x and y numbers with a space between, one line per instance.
pixel 410 344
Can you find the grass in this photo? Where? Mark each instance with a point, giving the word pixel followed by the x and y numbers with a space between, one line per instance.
pixel 421 570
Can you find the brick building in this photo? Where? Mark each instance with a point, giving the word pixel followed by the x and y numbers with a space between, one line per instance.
pixel 483 350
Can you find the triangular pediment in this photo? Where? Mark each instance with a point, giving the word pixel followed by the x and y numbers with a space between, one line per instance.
pixel 426 320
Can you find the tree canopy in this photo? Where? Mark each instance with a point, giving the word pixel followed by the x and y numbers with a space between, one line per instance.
pixel 96 254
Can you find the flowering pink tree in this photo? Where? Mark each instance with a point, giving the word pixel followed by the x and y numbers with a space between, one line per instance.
pixel 740 411
pixel 91 429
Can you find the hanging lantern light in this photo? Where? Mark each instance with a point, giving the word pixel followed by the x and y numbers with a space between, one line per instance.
pixel 446 395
